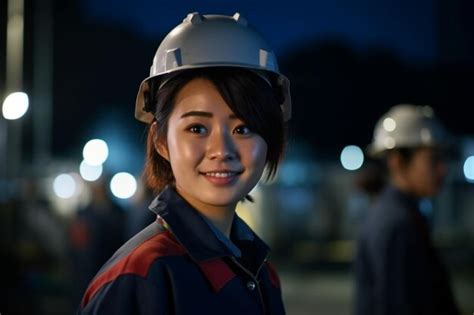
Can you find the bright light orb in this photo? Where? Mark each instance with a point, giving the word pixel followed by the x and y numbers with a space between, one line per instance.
pixel 123 185
pixel 15 105
pixel 89 172
pixel 64 186
pixel 352 157
pixel 389 124
pixel 95 152
pixel 469 169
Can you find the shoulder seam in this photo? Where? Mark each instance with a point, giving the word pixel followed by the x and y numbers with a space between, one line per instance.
pixel 139 267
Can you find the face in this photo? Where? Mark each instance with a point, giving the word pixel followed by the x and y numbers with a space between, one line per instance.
pixel 215 158
pixel 426 172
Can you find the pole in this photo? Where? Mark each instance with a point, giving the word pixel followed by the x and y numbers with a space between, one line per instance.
pixel 42 100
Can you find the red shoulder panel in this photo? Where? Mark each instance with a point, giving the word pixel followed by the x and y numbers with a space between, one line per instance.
pixel 274 279
pixel 137 262
pixel 217 273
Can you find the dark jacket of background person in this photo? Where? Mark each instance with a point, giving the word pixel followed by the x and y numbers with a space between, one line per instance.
pixel 138 214
pixel 96 232
pixel 180 265
pixel 397 268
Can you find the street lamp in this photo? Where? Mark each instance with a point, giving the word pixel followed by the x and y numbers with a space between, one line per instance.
pixel 15 105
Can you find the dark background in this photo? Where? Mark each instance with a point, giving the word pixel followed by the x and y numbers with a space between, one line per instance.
pixel 348 62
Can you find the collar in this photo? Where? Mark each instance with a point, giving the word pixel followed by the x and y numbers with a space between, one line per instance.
pixel 413 207
pixel 408 201
pixel 201 239
pixel 239 231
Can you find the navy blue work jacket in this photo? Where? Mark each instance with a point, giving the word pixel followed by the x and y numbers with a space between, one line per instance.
pixel 397 268
pixel 179 265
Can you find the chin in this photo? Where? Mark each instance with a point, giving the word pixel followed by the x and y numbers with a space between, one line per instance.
pixel 219 200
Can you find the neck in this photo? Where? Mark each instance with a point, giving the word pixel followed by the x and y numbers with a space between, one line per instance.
pixel 220 216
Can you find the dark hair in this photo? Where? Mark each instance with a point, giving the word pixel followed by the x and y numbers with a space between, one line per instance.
pixel 406 154
pixel 248 95
pixel 371 178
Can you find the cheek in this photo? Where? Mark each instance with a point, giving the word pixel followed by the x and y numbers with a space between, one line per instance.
pixel 425 173
pixel 182 151
pixel 427 176
pixel 257 152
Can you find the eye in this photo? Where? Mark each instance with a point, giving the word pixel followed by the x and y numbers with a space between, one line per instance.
pixel 242 130
pixel 198 129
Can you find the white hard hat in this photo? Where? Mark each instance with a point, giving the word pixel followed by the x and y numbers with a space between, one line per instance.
pixel 203 41
pixel 407 126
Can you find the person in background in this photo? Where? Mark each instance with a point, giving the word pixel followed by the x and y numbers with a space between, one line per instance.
pixel 138 214
pixel 398 270
pixel 216 106
pixel 95 233
pixel 371 178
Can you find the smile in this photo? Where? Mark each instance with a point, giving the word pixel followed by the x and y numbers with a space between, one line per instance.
pixel 221 174
pixel 222 178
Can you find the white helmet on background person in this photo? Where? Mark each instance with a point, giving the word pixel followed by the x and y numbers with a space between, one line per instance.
pixel 407 126
pixel 203 41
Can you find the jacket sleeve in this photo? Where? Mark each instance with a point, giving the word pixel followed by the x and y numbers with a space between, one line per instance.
pixel 130 294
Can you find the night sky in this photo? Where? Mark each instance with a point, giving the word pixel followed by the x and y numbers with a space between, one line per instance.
pixel 348 62
pixel 405 27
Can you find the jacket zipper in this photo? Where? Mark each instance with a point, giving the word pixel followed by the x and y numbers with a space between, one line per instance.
pixel 254 278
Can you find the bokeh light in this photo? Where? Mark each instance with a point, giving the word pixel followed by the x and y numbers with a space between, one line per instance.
pixel 123 185
pixel 352 157
pixel 64 186
pixel 95 152
pixel 90 172
pixel 389 124
pixel 469 169
pixel 15 105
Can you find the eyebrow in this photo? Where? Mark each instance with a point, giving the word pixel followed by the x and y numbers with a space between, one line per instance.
pixel 203 114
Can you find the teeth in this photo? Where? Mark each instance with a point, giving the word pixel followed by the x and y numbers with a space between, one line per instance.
pixel 224 174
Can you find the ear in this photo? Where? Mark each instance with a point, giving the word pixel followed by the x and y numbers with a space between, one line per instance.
pixel 160 144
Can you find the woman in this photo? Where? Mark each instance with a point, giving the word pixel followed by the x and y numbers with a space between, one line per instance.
pixel 216 107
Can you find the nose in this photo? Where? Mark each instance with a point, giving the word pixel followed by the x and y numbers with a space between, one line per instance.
pixel 221 146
